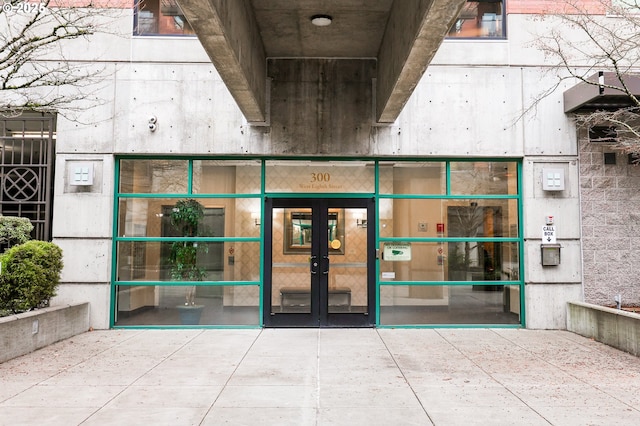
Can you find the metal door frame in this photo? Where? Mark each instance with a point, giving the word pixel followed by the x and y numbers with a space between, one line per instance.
pixel 319 315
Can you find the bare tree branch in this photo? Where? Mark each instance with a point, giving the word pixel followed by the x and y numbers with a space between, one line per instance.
pixel 35 75
pixel 583 43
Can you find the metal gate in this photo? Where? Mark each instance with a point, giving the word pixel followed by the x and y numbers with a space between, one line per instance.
pixel 27 151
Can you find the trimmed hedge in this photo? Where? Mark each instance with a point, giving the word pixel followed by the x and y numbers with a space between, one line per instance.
pixel 15 230
pixel 30 275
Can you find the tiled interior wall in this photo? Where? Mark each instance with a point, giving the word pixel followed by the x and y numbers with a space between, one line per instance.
pixel 246 265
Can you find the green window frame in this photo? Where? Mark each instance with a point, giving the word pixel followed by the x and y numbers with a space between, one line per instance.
pixel 451 194
pixel 448 193
pixel 191 191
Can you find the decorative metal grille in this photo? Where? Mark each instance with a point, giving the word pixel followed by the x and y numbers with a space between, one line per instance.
pixel 27 151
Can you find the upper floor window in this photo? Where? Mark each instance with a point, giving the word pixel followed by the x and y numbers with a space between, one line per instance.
pixel 160 17
pixel 480 19
pixel 629 6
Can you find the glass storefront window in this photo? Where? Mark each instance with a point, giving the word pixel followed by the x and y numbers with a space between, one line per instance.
pixel 480 177
pixel 450 261
pixel 480 19
pixel 214 260
pixel 165 305
pixel 482 261
pixel 222 217
pixel 320 176
pixel 160 17
pixel 458 219
pixel 480 218
pixel 426 178
pixel 226 177
pixel 153 176
pixel 442 304
pixel 439 218
pixel 417 262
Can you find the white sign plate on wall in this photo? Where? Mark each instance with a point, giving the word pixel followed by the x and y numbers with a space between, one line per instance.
pixel 397 252
pixel 548 234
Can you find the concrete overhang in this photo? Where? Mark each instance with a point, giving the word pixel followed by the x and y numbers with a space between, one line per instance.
pixel 602 91
pixel 241 35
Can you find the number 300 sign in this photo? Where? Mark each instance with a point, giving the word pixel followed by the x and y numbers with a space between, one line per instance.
pixel 320 177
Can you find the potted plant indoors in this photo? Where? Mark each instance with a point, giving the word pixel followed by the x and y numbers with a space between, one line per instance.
pixel 186 216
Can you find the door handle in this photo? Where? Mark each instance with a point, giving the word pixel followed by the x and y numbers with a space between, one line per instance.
pixel 313 262
pixel 326 271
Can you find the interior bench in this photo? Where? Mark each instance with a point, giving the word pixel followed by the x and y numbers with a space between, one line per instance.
pixel 299 296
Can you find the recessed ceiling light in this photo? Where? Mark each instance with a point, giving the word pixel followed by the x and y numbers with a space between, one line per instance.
pixel 321 20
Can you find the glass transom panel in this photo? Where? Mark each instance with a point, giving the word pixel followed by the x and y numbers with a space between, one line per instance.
pixel 320 176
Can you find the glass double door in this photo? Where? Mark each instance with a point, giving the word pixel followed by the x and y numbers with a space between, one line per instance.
pixel 319 263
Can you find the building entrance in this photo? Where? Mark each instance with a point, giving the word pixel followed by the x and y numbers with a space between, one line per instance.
pixel 297 243
pixel 319 263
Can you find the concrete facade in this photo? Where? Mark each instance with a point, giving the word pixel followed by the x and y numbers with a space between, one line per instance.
pixel 402 36
pixel 468 104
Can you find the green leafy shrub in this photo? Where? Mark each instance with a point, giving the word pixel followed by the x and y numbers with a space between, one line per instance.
pixel 30 275
pixel 14 230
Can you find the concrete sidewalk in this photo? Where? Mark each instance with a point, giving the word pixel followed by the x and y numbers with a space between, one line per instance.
pixel 322 377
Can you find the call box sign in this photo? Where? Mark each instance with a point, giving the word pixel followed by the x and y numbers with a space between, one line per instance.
pixel 549 234
pixel 397 252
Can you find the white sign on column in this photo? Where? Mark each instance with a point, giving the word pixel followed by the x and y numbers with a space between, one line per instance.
pixel 548 234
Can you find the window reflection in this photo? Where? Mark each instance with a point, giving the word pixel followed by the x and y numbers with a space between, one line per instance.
pixel 223 217
pixel 412 178
pixel 484 177
pixel 153 176
pixel 488 304
pixel 226 177
pixel 160 17
pixel 149 261
pixel 402 218
pixel 480 18
pixel 476 261
pixel 164 305
pixel 482 261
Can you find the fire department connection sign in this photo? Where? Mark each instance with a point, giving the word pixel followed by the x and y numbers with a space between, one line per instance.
pixel 549 234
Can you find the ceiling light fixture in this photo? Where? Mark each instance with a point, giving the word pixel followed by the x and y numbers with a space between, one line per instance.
pixel 321 20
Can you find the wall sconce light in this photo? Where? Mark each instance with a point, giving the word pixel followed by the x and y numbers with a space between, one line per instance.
pixel 361 222
pixel 553 179
pixel 81 174
pixel 256 218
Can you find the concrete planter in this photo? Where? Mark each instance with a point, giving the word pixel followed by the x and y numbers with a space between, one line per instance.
pixel 614 327
pixel 26 332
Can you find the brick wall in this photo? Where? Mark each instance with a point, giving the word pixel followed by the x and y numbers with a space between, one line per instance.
pixel 556 6
pixel 610 200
